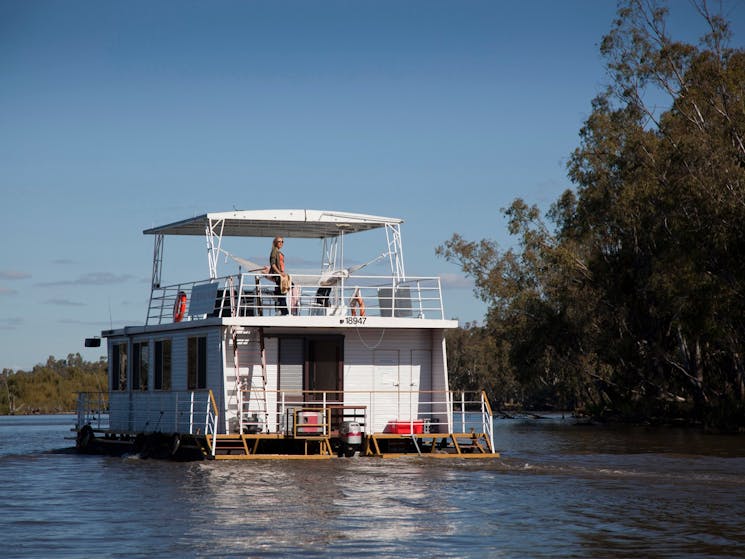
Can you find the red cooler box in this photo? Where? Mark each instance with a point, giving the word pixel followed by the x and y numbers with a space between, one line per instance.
pixel 405 427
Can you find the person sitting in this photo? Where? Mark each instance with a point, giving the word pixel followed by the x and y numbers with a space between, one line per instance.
pixel 322 296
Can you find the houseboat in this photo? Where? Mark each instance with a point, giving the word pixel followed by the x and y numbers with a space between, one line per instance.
pixel 259 361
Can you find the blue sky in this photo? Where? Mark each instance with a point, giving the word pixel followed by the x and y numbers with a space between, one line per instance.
pixel 118 116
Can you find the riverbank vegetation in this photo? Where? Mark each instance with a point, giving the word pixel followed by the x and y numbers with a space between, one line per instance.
pixel 52 387
pixel 626 299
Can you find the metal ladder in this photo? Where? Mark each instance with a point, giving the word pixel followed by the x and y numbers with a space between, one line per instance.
pixel 249 354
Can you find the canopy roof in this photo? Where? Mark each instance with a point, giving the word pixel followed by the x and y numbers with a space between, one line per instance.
pixel 311 224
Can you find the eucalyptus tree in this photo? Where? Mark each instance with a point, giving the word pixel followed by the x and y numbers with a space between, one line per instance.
pixel 632 301
pixel 660 201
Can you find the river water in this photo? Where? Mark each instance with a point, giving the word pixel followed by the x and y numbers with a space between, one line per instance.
pixel 560 490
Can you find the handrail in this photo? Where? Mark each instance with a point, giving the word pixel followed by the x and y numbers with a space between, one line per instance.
pixel 92 409
pixel 311 295
pixel 419 410
pixel 213 402
pixel 197 412
pixel 485 399
pixel 192 412
pixel 488 418
pixel 215 416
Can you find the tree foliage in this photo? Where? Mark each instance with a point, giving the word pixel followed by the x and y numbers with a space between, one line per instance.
pixel 52 387
pixel 630 301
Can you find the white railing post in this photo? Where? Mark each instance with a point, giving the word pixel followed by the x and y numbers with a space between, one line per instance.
pixel 483 414
pixel 489 423
pixel 439 296
pixel 207 414
pixel 239 401
pixel 419 298
pixel 462 412
pixel 449 410
pixel 176 402
pixel 411 409
pixel 81 410
pixel 191 413
pixel 214 435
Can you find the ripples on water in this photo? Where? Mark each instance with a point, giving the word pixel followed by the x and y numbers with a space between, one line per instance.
pixel 559 491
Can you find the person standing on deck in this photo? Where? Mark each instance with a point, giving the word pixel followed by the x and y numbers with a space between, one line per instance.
pixel 277 268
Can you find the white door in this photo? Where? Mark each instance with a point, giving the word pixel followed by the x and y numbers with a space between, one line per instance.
pixel 421 381
pixel 414 386
pixel 384 404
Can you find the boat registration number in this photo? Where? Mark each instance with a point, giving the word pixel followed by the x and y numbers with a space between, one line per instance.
pixel 356 320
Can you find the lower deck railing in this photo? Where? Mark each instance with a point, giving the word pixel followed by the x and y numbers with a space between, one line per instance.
pixel 192 412
pixel 296 414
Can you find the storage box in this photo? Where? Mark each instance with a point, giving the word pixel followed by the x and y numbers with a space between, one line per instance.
pixel 405 427
pixel 309 423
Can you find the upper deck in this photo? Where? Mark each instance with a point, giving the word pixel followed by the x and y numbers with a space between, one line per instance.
pixel 335 295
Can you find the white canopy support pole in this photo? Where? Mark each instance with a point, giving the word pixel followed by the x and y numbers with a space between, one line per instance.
pixel 342 227
pixel 329 257
pixel 157 268
pixel 157 261
pixel 213 232
pixel 395 251
pixel 325 258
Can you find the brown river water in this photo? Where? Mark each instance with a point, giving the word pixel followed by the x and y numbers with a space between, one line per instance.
pixel 559 490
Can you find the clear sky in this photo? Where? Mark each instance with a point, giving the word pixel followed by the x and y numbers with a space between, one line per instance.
pixel 118 116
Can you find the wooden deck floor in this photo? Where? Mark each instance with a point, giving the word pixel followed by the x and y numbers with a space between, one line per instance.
pixel 264 446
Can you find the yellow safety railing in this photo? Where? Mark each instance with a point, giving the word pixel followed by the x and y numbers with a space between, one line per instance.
pixel 211 425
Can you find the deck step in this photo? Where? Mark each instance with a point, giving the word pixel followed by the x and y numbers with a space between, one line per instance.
pixel 466 445
pixel 231 445
pixel 271 444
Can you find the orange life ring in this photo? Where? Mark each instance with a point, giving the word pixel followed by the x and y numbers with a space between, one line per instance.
pixel 179 307
pixel 357 301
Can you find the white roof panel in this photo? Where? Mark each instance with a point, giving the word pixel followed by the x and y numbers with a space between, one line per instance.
pixel 310 224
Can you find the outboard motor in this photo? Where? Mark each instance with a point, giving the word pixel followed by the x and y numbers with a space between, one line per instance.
pixel 350 433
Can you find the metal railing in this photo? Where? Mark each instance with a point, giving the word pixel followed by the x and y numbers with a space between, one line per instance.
pixel 354 297
pixel 93 410
pixel 213 415
pixel 392 411
pixel 192 412
pixel 299 414
pixel 471 411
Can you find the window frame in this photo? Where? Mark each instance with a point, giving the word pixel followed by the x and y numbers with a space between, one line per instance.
pixel 119 364
pixel 163 364
pixel 196 363
pixel 140 365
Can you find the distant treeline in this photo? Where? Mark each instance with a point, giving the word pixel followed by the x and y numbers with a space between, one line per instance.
pixel 626 299
pixel 52 387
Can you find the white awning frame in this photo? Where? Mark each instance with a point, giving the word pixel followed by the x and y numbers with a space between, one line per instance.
pixel 309 224
pixel 329 226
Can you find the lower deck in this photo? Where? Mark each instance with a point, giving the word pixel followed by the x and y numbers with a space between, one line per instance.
pixel 381 445
pixel 187 427
pixel 281 447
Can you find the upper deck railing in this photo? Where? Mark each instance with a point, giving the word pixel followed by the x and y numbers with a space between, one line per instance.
pixel 250 294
